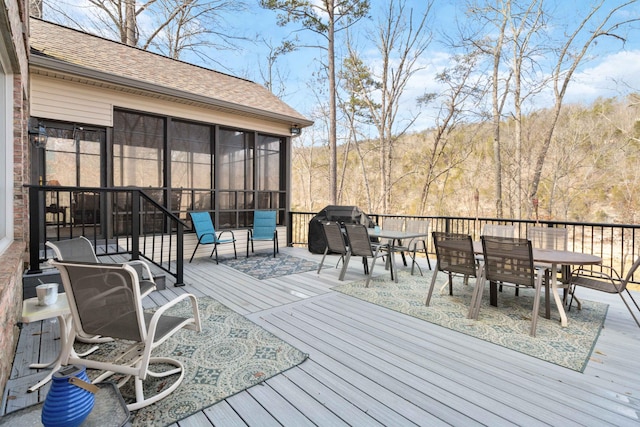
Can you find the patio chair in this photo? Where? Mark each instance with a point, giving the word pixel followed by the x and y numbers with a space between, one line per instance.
pixel 498 230
pixel 553 239
pixel 104 299
pixel 418 243
pixel 206 234
pixel 397 224
pixel 335 242
pixel 264 229
pixel 507 260
pixel 80 249
pixel 360 245
pixel 605 279
pixel 454 256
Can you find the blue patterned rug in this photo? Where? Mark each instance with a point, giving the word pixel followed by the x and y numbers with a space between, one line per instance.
pixel 506 325
pixel 228 356
pixel 266 266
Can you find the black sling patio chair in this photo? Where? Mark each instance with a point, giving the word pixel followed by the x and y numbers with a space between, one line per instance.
pixel 508 261
pixel 335 242
pixel 454 256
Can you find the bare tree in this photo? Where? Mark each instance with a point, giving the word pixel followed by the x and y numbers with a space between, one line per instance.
pixel 272 76
pixel 400 41
pixel 326 18
pixel 461 96
pixel 172 27
pixel 569 56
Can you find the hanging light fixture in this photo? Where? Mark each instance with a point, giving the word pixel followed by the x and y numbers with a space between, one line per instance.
pixel 37 134
pixel 295 130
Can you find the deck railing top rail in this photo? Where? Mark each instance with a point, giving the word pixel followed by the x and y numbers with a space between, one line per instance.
pixel 617 244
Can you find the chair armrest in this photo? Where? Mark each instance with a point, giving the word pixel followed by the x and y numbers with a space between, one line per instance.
pixel 233 237
pixel 207 234
pixel 590 272
pixel 145 269
pixel 151 331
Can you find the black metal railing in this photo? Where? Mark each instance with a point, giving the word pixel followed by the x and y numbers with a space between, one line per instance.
pixel 117 221
pixel 617 244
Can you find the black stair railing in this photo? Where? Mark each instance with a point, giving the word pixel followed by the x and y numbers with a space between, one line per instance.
pixel 117 221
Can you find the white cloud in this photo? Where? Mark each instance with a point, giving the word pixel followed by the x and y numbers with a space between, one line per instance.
pixel 616 74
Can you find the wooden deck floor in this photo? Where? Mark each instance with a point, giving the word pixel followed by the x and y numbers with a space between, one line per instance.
pixel 372 366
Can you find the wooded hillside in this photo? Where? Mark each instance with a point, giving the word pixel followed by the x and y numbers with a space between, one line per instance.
pixel 591 171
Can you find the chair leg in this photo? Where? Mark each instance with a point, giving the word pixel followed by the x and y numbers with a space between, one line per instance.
pixel 322 260
pixel 373 263
pixel 194 251
pixel 536 307
pixel 629 307
pixel 433 282
pixel 344 266
pixel 476 296
pixel 215 249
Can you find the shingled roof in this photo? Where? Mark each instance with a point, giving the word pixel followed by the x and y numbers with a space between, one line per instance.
pixel 69 50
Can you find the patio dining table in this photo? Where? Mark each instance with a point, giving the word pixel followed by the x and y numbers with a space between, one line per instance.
pixel 555 258
pixel 394 238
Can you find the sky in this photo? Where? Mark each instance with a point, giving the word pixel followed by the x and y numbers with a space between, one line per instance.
pixel 612 68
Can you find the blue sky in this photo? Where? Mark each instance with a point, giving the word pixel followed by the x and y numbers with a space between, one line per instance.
pixel 613 68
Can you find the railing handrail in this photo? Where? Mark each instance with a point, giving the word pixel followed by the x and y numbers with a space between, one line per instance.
pixel 135 214
pixel 617 244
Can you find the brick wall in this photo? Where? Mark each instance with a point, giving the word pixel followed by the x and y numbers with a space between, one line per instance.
pixel 12 260
pixel 11 268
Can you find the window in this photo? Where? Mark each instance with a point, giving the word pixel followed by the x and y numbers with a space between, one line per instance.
pixel 191 166
pixel 6 148
pixel 235 179
pixel 73 155
pixel 138 150
pixel 268 154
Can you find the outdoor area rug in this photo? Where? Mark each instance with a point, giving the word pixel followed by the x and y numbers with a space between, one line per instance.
pixel 228 356
pixel 266 266
pixel 506 325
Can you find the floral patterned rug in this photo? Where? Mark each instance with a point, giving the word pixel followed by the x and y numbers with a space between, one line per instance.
pixel 506 325
pixel 266 266
pixel 228 356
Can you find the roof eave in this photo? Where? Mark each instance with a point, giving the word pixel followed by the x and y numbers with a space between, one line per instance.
pixel 84 72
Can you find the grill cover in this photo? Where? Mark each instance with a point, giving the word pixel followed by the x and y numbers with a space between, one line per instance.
pixel 345 214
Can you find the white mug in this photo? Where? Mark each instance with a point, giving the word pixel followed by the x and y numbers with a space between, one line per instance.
pixel 47 293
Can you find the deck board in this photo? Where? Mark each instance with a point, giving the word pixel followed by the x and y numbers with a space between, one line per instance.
pixel 369 365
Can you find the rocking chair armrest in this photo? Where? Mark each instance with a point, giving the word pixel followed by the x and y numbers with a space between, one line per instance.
pixel 151 331
pixel 145 268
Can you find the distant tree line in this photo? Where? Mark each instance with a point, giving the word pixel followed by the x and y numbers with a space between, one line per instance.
pixel 590 172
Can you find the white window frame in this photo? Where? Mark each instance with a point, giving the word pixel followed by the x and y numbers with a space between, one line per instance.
pixel 6 148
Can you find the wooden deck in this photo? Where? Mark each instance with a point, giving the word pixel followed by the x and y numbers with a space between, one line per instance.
pixel 372 366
